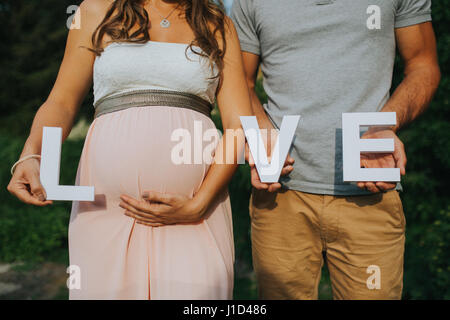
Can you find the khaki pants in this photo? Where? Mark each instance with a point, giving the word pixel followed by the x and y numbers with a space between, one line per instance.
pixel 362 237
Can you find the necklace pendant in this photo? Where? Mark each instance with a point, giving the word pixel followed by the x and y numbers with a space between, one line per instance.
pixel 165 23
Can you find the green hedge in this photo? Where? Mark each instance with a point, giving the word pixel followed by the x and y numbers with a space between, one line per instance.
pixel 29 233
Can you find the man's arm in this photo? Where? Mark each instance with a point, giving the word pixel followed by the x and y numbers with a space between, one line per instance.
pixel 251 65
pixel 417 46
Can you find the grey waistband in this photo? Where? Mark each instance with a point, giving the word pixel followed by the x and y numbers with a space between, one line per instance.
pixel 143 98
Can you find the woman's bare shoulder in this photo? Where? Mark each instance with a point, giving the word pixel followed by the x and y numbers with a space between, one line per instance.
pixel 90 14
pixel 228 28
pixel 96 6
pixel 93 11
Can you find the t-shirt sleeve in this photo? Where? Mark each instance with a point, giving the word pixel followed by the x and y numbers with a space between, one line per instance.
pixel 410 12
pixel 243 16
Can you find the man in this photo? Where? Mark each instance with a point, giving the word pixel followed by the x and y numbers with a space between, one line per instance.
pixel 319 59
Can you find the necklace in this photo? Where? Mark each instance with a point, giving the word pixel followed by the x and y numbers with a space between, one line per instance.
pixel 165 23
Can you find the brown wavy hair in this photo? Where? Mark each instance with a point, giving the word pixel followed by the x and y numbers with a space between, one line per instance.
pixel 205 17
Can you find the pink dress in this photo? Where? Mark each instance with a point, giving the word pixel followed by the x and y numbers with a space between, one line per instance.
pixel 130 151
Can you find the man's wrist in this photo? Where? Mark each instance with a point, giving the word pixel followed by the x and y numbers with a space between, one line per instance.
pixel 395 127
pixel 381 128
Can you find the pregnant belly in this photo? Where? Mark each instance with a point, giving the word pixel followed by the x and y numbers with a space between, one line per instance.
pixel 138 149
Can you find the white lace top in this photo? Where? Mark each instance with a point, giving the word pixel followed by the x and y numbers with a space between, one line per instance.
pixel 124 67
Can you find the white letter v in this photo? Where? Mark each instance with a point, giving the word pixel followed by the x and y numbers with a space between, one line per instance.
pixel 269 173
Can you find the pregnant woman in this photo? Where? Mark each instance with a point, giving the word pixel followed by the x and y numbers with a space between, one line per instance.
pixel 157 229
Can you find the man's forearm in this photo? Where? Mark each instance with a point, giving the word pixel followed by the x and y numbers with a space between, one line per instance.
pixel 414 94
pixel 263 119
pixel 265 124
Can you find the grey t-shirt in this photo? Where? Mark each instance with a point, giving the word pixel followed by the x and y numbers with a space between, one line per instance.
pixel 319 59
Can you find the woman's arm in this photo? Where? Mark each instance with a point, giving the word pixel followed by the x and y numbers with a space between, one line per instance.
pixel 234 101
pixel 59 110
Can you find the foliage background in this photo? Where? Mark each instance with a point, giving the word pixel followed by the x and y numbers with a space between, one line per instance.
pixel 33 36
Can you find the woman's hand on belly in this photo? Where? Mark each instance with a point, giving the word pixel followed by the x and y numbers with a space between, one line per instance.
pixel 158 209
